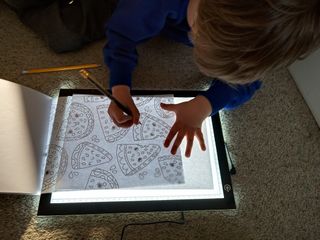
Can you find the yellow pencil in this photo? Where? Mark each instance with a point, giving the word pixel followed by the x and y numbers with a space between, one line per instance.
pixel 57 69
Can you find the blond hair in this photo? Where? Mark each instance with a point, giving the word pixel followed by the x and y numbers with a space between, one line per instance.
pixel 240 41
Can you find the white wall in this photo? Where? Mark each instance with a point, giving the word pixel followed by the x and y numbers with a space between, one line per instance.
pixel 306 73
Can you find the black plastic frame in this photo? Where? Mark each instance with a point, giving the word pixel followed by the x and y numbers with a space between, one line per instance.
pixel 47 208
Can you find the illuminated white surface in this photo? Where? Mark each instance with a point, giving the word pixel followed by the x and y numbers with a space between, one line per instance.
pixel 202 179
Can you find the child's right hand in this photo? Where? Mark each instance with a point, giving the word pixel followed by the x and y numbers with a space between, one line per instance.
pixel 122 93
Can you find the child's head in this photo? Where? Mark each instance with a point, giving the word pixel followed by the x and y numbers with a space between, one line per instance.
pixel 240 41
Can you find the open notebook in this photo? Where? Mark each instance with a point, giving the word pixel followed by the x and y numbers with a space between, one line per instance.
pixel 24 133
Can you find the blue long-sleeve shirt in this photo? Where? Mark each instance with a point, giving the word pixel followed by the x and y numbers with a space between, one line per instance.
pixel 134 22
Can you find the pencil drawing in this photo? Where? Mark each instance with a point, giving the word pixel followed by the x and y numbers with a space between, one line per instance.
pixel 171 168
pixel 141 100
pixel 101 179
pixel 150 128
pixel 104 156
pixel 73 174
pixel 134 157
pixel 57 161
pixel 161 112
pixel 111 132
pixel 88 155
pixel 94 99
pixel 80 123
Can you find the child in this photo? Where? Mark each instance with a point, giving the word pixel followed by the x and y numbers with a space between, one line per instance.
pixel 235 41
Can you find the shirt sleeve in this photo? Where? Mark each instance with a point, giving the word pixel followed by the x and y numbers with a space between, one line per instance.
pixel 133 22
pixel 222 95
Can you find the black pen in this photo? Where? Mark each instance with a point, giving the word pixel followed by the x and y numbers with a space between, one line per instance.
pixel 89 77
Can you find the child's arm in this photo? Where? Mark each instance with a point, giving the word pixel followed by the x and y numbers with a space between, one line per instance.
pixel 122 93
pixel 121 57
pixel 223 96
pixel 133 22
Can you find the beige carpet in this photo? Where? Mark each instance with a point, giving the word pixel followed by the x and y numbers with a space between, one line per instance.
pixel 274 141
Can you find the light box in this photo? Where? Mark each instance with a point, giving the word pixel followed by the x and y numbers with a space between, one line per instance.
pixel 207 179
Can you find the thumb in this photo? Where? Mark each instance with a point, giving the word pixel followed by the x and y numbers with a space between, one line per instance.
pixel 168 107
pixel 135 113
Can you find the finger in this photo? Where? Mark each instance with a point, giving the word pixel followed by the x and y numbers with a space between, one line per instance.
pixel 171 134
pixel 178 141
pixel 135 113
pixel 199 136
pixel 190 138
pixel 127 124
pixel 122 125
pixel 168 107
pixel 118 116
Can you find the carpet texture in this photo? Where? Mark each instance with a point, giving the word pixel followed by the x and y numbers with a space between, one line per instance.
pixel 274 142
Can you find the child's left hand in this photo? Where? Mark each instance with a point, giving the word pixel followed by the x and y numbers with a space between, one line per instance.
pixel 189 118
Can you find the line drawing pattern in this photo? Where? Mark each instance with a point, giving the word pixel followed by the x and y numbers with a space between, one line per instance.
pixel 104 156
pixel 157 173
pixel 161 112
pixel 73 174
pixel 56 166
pixel 80 123
pixel 94 99
pixel 113 169
pixel 150 128
pixel 87 155
pixel 147 109
pixel 95 139
pixel 61 119
pixel 134 157
pixel 142 174
pixel 140 101
pixel 111 132
pixel 101 179
pixel 171 168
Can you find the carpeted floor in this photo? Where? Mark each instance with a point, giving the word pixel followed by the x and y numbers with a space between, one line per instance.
pixel 274 141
